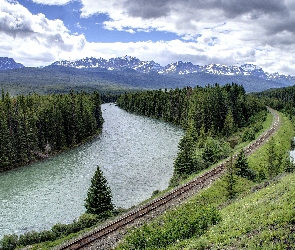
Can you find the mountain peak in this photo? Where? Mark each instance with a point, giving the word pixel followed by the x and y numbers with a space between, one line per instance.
pixel 9 63
pixel 179 67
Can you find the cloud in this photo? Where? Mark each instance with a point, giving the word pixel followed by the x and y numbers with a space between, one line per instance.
pixel 34 35
pixel 213 31
pixel 190 18
pixel 232 31
pixel 148 9
pixel 52 2
pixel 11 23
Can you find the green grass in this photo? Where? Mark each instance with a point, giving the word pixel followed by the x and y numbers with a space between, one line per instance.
pixel 52 244
pixel 263 219
pixel 282 139
pixel 235 229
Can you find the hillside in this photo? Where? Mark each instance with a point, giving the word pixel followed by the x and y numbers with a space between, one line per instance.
pixel 261 220
pixel 128 73
pixel 54 79
pixel 261 216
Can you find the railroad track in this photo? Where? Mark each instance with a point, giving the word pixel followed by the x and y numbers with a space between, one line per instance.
pixel 104 233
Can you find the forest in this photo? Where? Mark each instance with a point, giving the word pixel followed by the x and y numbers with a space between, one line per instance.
pixel 34 126
pixel 281 99
pixel 211 107
pixel 215 118
pixel 250 204
pixel 210 115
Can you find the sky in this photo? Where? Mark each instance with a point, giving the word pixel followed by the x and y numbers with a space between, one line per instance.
pixel 228 32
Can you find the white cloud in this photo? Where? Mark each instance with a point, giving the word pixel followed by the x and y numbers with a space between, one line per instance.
pixel 214 31
pixel 34 37
pixel 111 7
pixel 237 29
pixel 52 2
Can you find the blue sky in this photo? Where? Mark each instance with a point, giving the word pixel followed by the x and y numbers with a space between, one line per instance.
pixel 261 32
pixel 92 26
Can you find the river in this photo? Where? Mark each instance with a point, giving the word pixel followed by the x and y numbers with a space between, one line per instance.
pixel 135 153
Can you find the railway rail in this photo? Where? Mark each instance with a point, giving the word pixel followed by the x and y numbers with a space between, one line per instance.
pixel 104 233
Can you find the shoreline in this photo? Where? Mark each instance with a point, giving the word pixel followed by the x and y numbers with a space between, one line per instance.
pixel 44 157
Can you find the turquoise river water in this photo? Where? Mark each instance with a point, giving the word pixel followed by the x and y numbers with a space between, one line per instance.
pixel 135 153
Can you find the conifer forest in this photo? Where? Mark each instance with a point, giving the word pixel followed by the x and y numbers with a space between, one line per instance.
pixel 35 126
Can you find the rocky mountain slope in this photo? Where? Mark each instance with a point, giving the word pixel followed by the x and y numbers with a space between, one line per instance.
pixel 180 68
pixel 123 73
pixel 9 63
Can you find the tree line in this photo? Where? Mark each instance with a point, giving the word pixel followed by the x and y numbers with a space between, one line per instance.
pixel 35 126
pixel 282 99
pixel 215 108
pixel 209 115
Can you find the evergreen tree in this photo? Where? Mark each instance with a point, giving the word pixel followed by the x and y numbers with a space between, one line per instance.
pixel 184 163
pixel 99 197
pixel 228 126
pixel 230 180
pixel 272 166
pixel 242 167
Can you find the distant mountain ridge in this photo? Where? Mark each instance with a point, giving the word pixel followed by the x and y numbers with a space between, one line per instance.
pixel 181 68
pixel 122 73
pixel 118 63
pixel 9 63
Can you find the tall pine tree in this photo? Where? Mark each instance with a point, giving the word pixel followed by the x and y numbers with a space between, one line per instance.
pixel 99 196
pixel 230 180
pixel 242 167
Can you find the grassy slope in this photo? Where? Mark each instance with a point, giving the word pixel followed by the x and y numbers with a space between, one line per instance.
pixel 215 195
pixel 264 219
pixel 255 219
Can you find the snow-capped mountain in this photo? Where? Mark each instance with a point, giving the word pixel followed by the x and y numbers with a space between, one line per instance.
pixel 9 63
pixel 118 63
pixel 180 68
pixel 217 69
pixel 130 72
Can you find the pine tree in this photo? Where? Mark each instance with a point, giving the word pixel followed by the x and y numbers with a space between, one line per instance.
pixel 228 126
pixel 230 180
pixel 184 163
pixel 242 167
pixel 272 166
pixel 99 197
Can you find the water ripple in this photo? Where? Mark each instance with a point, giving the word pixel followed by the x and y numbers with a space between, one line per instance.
pixel 135 153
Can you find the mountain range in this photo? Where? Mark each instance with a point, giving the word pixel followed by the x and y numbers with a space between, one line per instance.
pixel 130 72
pixel 9 63
pixel 181 68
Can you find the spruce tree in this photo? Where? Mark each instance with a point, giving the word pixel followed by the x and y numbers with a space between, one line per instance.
pixel 242 167
pixel 230 180
pixel 228 126
pixel 184 163
pixel 272 166
pixel 99 197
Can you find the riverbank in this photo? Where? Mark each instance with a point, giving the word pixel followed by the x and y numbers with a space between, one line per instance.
pixel 45 156
pixel 261 216
pixel 212 192
pixel 135 153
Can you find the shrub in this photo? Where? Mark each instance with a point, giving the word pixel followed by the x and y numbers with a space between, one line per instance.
pixel 57 231
pixel 9 242
pixel 175 225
